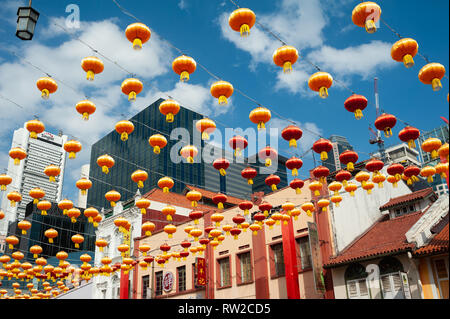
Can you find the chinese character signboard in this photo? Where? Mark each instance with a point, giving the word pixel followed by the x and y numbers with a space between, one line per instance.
pixel 405 284
pixel 168 281
pixel 201 271
pixel 127 241
pixel 316 257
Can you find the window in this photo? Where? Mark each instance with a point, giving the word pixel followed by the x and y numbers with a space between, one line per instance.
pixel 145 284
pixel 391 283
pixel 181 274
pixel 224 270
pixel 246 267
pixel 441 267
pixel 305 253
pixel 278 259
pixel 158 283
pixel 194 275
pixel 356 282
pixel 411 208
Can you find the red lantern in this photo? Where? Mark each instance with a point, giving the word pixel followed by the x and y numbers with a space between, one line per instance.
pixel 411 172
pixel 294 164
pixel 238 220
pixel 246 206
pixel 219 199
pixel 272 181
pixel 185 244
pixel 249 174
pixel 268 154
pixel 195 215
pixel 396 170
pixel 374 166
pixel 385 122
pixel 292 133
pixel 238 143
pixel 322 147
pixel 409 134
pixel 297 184
pixel 221 164
pixel 259 217
pixel 355 104
pixel 265 208
pixel 343 176
pixel 349 158
pixel 321 172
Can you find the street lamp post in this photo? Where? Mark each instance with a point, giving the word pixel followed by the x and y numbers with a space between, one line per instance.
pixel 26 22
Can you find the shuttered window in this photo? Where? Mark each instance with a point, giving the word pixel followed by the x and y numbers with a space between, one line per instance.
pixel 357 289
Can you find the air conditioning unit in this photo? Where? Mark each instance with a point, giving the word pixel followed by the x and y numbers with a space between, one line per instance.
pixel 149 293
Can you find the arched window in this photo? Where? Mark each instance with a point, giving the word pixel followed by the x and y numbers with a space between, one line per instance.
pixel 356 282
pixel 391 282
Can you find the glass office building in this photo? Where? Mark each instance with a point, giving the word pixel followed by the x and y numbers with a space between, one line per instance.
pixel 340 144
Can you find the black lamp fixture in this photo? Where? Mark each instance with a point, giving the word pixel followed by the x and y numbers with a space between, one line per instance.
pixel 26 22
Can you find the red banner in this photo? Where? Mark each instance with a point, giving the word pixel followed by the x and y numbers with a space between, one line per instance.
pixel 201 271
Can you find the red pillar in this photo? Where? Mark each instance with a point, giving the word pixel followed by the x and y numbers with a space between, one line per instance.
pixel 290 260
pixel 209 258
pixel 124 285
pixel 260 265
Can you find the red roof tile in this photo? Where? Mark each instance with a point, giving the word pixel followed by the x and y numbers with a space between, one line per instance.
pixel 175 199
pixel 386 236
pixel 439 244
pixel 209 194
pixel 420 194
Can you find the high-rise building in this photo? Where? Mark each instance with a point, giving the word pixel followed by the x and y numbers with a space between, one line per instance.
pixel 82 199
pixel 402 154
pixel 340 144
pixel 277 168
pixel 441 133
pixel 45 150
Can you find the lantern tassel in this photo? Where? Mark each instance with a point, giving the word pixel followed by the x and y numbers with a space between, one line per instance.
pixel 33 135
pixel 274 187
pixel 137 44
pixel 184 76
pixel 323 92
pixel 45 94
pixel 436 84
pixel 293 142
pixel 411 144
pixel 358 114
pixel 124 136
pixel 90 75
pixel 205 136
pixel 287 67
pixel 156 150
pixel 298 191
pixel 105 169
pixel 250 181
pixel 223 100
pixel 350 167
pixel 370 26
pixel 85 116
pixel 268 162
pixel 222 172
pixel 141 185
pixel 323 156
pixel 294 172
pixel 52 179
pixel 169 118
pixel 244 30
pixel 132 96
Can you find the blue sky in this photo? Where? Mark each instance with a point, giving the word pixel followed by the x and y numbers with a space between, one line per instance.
pixel 321 30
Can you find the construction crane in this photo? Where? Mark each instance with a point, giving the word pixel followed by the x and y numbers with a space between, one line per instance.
pixel 376 135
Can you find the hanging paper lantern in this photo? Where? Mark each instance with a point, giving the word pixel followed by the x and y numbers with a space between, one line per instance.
pixel 169 108
pixel 336 199
pixel 288 207
pixel 385 122
pixel 14 197
pixel 234 231
pixel 368 186
pixel 255 228
pixel 294 164
pixel 396 170
pixel 316 187
pixel 36 193
pixel 123 249
pixel 249 174
pixel 143 203
pixel 265 207
pixel 138 34
pixel 196 233
pixel 11 241
pixel 195 215
pixel 272 181
pixel 44 206
pixel 321 173
pixel 92 65
pixel 2 215
pixel 170 230
pixel 219 200
pixel 24 225
pixel 72 147
pixel 35 127
pixel 259 218
pixel 73 214
pixel 222 90
pixel 185 244
pixel 431 145
pixel 442 169
pixel 320 82
pixel 238 143
pixel 83 185
pixel 184 66
pixel 308 208
pixel 52 171
pixel 260 116
pixel 35 250
pixel 77 239
pixel 374 166
pixel 221 164
pixel 97 220
pixel 409 134
pixel 432 73
pixel 217 218
pixel 404 51
pixel 205 126
pixel 121 223
pixel 124 128
pixel 51 234
pixel 188 229
pixel 356 104
pixel 295 212
pixel 268 154
pixel 366 15
pixel 335 187
pixel 168 211
pixel 189 152
pixel 139 177
pixel 379 179
pixel 105 162
pixel 242 20
pixel 238 220
pixel 277 217
pixel 297 184
pixel 428 172
pixel 112 197
pixel 132 87
pixel 443 151
pixel 194 196
pixel 17 154
pixel 349 158
pixel 47 86
pixel 362 177
pixel 101 243
pixel 322 146
pixel 323 203
pixel 5 180
pixel 285 57
pixel 85 108
pixel 157 141
pixel 391 179
pixel 291 134
pixel 147 228
pixel 245 206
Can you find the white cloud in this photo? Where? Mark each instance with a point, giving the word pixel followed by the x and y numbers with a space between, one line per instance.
pixel 182 4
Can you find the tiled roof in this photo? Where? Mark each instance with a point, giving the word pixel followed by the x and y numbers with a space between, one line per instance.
pixel 439 244
pixel 386 236
pixel 175 199
pixel 420 194
pixel 209 194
